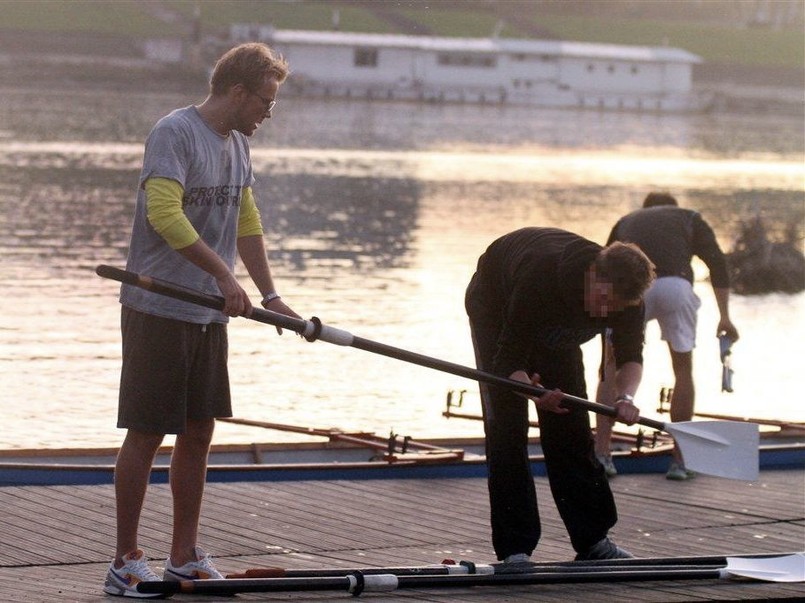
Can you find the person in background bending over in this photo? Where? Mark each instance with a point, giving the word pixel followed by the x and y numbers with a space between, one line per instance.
pixel 536 296
pixel 195 213
pixel 670 236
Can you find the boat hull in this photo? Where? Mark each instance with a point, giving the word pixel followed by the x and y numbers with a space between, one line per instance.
pixel 328 463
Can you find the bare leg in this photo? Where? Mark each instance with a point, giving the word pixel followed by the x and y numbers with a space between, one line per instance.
pixel 132 471
pixel 683 398
pixel 605 394
pixel 188 474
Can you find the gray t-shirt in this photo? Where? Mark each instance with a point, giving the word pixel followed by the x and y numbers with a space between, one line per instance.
pixel 213 170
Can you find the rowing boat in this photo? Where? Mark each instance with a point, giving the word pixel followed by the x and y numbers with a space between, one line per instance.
pixel 348 455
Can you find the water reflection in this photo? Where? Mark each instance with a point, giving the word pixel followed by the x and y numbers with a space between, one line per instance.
pixel 365 223
pixel 375 214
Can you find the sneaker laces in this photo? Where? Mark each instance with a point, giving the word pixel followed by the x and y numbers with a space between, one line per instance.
pixel 202 564
pixel 137 566
pixel 205 564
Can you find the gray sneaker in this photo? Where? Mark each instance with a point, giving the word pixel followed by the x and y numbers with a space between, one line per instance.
pixel 517 558
pixel 678 472
pixel 604 549
pixel 607 464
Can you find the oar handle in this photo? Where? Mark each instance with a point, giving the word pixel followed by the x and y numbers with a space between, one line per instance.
pixel 314 329
pixel 215 302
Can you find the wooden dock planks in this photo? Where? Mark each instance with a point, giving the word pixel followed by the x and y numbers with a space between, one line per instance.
pixel 56 541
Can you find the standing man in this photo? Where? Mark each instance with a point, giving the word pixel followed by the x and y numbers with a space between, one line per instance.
pixel 195 213
pixel 537 295
pixel 671 236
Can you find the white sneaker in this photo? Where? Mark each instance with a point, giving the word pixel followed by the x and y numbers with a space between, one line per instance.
pixel 200 569
pixel 517 558
pixel 123 581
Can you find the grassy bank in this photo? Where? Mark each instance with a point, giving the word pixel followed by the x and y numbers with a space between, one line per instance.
pixel 718 30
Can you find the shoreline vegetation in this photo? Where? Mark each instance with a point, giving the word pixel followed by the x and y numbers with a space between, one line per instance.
pixel 761 265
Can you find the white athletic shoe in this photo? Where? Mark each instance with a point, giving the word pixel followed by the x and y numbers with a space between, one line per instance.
pixel 123 581
pixel 200 569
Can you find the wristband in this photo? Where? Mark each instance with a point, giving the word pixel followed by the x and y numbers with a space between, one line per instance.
pixel 626 397
pixel 270 297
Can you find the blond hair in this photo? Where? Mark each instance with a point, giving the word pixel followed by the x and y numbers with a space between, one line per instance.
pixel 249 64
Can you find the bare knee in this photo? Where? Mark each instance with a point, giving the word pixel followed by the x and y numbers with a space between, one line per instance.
pixel 198 433
pixel 143 442
pixel 682 364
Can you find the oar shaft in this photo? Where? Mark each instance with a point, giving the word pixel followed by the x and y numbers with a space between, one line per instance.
pixel 695 560
pixel 478 375
pixel 459 570
pixel 231 586
pixel 427 570
pixel 315 330
pixel 569 577
pixel 358 583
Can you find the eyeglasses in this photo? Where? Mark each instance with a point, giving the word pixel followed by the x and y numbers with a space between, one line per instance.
pixel 267 103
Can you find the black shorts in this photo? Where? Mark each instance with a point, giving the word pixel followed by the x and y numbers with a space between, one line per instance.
pixel 172 371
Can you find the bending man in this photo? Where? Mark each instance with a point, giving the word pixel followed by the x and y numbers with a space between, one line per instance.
pixel 537 295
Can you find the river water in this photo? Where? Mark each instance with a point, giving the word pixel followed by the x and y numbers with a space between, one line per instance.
pixel 375 214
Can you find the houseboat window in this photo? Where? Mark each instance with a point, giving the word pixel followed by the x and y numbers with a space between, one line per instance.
pixel 540 58
pixel 611 68
pixel 634 70
pixel 457 59
pixel 590 67
pixel 366 57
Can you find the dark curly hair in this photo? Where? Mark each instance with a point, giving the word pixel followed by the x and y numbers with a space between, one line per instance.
pixel 627 268
pixel 654 199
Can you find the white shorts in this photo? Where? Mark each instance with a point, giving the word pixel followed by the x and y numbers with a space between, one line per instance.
pixel 673 304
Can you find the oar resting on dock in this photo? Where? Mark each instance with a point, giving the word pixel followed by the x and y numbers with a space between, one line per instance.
pixel 781 568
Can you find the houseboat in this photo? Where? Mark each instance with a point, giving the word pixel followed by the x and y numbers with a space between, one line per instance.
pixel 546 73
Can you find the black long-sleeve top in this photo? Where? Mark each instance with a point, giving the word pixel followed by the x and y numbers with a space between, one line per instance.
pixel 670 236
pixel 531 282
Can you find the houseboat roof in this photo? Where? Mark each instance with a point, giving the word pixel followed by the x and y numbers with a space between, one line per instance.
pixel 664 54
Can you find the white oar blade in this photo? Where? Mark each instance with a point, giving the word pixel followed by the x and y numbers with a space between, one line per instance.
pixel 721 448
pixel 786 568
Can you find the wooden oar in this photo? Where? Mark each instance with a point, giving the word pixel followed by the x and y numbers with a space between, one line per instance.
pixel 720 448
pixel 368 440
pixel 790 568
